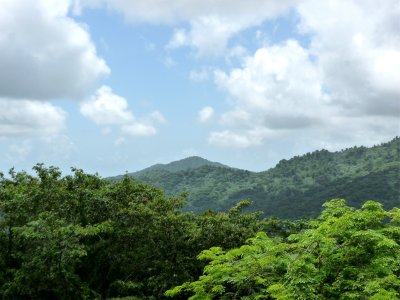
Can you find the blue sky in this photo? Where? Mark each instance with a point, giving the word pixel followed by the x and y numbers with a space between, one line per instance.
pixel 115 86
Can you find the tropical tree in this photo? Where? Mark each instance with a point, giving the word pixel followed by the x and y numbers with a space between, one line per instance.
pixel 347 253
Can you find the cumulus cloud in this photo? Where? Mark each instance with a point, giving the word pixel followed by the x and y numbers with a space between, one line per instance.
pixel 205 114
pixel 44 53
pixel 357 45
pixel 211 24
pixel 277 89
pixel 24 118
pixel 107 108
pixel 343 87
pixel 209 34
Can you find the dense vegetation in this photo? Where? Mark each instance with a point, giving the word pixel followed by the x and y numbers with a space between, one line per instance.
pixel 83 237
pixel 295 188
pixel 345 254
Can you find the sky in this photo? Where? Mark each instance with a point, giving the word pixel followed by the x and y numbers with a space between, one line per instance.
pixel 115 86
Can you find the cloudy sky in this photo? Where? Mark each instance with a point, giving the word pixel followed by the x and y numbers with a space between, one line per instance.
pixel 117 85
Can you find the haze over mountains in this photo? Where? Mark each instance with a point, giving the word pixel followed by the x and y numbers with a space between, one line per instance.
pixel 294 188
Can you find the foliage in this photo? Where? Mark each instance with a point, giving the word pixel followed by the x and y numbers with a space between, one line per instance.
pixel 347 253
pixel 83 237
pixel 295 188
pixel 207 186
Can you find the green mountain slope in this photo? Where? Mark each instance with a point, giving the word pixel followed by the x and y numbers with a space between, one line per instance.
pixel 185 164
pixel 208 187
pixel 295 188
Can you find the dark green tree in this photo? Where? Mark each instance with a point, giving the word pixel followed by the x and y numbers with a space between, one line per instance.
pixel 83 237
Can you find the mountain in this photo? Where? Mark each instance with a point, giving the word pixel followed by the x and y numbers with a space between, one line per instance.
pixel 294 188
pixel 185 164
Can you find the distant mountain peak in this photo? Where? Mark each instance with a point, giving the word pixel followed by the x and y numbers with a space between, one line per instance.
pixel 191 162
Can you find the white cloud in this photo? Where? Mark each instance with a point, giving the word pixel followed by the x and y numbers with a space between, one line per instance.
pixel 342 89
pixel 24 118
pixel 172 12
pixel 107 108
pixel 205 114
pixel 44 53
pixel 208 34
pixel 211 23
pixel 139 129
pixel 277 89
pixel 357 46
pixel 228 138
pixel 178 39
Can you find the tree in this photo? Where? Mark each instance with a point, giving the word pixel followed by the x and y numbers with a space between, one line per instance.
pixel 83 237
pixel 346 254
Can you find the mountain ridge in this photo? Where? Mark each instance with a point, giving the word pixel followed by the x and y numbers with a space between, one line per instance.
pixel 294 188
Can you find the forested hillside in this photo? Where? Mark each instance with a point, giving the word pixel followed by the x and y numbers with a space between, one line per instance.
pixel 295 188
pixel 83 237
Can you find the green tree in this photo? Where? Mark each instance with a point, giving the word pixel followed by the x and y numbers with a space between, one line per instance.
pixel 346 254
pixel 83 237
